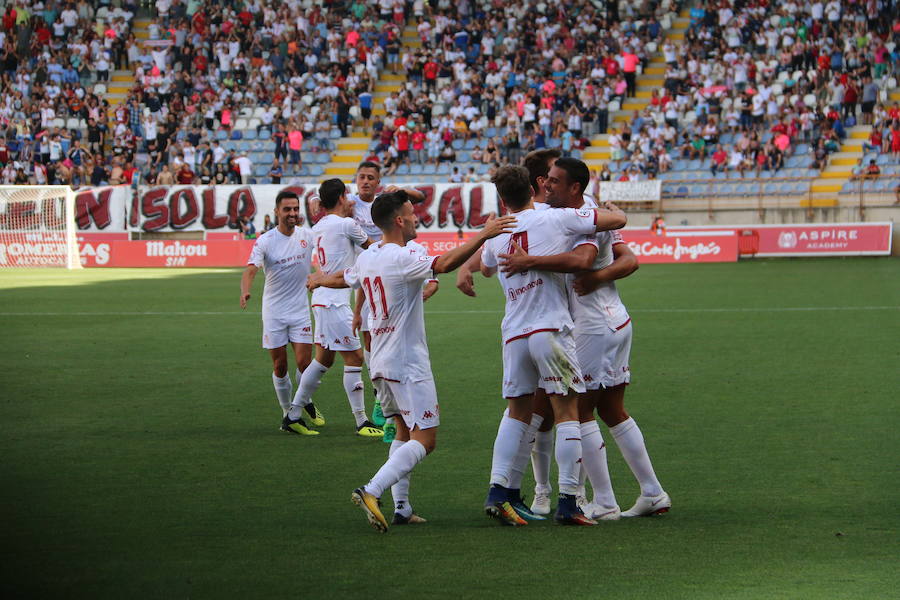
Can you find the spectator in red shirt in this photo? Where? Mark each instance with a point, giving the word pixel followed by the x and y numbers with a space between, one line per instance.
pixel 719 160
pixel 403 144
pixel 418 145
pixel 430 70
pixel 185 175
pixel 630 61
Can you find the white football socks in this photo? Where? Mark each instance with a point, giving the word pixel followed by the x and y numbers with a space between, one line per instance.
pixel 540 461
pixel 593 462
pixel 399 464
pixel 308 385
pixel 517 471
pixel 353 385
pixel 506 447
pixel 283 391
pixel 400 490
pixel 568 455
pixel 630 440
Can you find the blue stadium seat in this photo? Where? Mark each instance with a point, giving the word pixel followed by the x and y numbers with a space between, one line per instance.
pixel 883 159
pixel 463 156
pixel 230 145
pixel 236 134
pixel 491 132
pixel 457 144
pixel 265 134
pixel 682 190
pixel 695 165
pixel 482 168
pixel 250 134
pixel 403 169
pixel 444 169
pixel 416 169
pixel 244 146
pixel 429 169
pixel 469 144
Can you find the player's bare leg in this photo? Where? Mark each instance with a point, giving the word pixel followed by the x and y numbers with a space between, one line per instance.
pixel 611 408
pixel 511 435
pixel 568 457
pixel 541 451
pixel 403 510
pixel 280 379
pixel 387 425
pixel 399 464
pixel 308 371
pixel 293 421
pixel 593 460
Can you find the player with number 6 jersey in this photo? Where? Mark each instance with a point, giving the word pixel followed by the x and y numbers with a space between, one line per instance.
pixel 391 273
pixel 337 237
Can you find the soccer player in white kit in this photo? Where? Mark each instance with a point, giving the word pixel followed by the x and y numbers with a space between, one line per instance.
pixel 392 275
pixel 368 179
pixel 337 236
pixel 285 254
pixel 538 345
pixel 603 343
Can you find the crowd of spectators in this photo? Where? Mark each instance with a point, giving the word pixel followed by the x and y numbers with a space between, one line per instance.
pixel 750 84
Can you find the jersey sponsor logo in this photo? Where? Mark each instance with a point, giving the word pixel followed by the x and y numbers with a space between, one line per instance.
pixel 514 293
pixel 383 330
pixel 306 329
pixel 585 212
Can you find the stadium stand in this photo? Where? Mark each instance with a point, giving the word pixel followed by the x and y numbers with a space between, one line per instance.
pixel 728 99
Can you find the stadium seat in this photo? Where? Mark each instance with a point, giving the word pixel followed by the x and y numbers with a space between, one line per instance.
pixel 443 169
pixel 250 134
pixel 265 134
pixel 429 169
pixel 416 169
pixel 403 169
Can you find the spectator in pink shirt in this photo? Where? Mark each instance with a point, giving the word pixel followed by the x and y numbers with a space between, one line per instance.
pixel 630 62
pixel 295 144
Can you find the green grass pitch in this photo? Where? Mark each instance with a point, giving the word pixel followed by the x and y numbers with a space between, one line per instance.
pixel 141 455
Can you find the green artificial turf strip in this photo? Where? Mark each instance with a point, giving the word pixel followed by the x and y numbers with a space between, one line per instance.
pixel 141 455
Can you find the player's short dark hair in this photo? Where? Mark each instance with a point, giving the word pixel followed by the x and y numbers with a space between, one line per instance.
pixel 368 164
pixel 330 192
pixel 285 194
pixel 513 186
pixel 386 207
pixel 538 164
pixel 576 171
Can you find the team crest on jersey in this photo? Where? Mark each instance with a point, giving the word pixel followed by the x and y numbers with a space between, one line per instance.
pixel 584 212
pixel 303 244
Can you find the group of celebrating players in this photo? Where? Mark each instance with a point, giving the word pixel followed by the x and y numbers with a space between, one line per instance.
pixel 566 334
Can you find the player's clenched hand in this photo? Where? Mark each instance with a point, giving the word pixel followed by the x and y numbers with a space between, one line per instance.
pixel 314 280
pixel 518 261
pixel 244 299
pixel 585 283
pixel 464 282
pixel 495 227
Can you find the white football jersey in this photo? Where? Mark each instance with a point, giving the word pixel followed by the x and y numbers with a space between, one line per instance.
pixel 391 277
pixel 538 300
pixel 337 241
pixel 602 309
pixel 362 214
pixel 286 261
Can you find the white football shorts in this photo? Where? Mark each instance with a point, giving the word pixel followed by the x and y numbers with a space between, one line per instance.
pixel 415 402
pixel 544 359
pixel 334 328
pixel 278 332
pixel 604 358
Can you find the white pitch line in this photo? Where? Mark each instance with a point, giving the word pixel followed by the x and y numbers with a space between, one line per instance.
pixel 449 312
